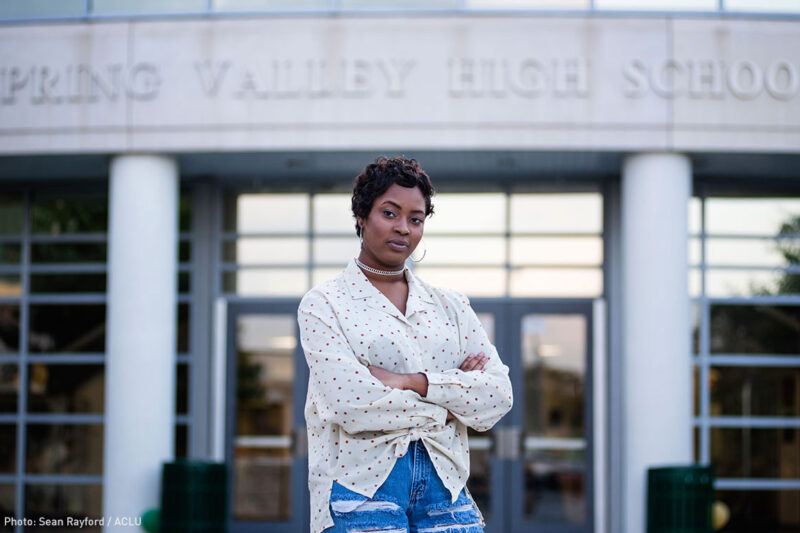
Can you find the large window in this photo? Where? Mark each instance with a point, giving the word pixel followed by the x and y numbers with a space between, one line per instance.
pixel 53 250
pixel 498 244
pixel 745 255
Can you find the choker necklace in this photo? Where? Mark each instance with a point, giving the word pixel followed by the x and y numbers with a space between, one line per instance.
pixel 380 272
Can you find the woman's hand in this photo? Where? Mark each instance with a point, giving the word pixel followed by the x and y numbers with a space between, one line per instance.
pixel 475 361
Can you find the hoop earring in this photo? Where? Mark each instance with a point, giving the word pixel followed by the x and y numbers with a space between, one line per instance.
pixel 425 251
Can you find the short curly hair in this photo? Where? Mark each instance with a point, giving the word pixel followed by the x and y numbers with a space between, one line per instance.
pixel 381 174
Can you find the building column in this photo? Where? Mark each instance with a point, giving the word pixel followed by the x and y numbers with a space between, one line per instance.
pixel 140 341
pixel 656 188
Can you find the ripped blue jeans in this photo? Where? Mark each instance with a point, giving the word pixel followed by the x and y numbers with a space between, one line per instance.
pixel 412 498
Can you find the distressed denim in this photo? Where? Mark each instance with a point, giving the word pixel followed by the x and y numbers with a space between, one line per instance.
pixel 412 498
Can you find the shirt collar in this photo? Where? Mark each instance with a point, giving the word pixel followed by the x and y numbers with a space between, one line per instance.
pixel 361 288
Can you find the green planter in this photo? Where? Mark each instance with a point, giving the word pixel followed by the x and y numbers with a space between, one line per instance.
pixel 679 499
pixel 194 497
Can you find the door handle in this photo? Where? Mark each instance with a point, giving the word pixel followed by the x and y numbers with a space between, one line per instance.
pixel 300 442
pixel 508 441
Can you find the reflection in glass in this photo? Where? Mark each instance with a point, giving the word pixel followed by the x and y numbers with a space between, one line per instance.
pixel 182 389
pixel 695 215
pixel 749 216
pixel 480 477
pixel 9 328
pixel 755 329
pixel 763 6
pixel 557 282
pixel 9 385
pixel 66 282
pixel 554 366
pixel 761 510
pixel 746 283
pixel 67 328
pixel 557 213
pixel 77 252
pixel 467 212
pixel 333 214
pixel 265 251
pixel 474 282
pixel 8 448
pixel 754 391
pixel 66 388
pixel 264 421
pixel 756 452
pixel 267 213
pixel 64 449
pixel 557 251
pixel 146 6
pixel 266 282
pixel 462 250
pixel 60 501
pixel 12 207
pixel 695 321
pixel 57 214
pixel 185 212
pixel 555 486
pixel 184 251
pixel 181 441
pixel 10 253
pixel 10 285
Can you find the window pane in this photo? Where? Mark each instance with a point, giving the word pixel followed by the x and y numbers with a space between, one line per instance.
pixel 146 6
pixel 746 283
pixel 279 213
pixel 184 323
pixel 695 251
pixel 88 252
pixel 67 328
pixel 528 4
pixel 752 391
pixel 556 251
pixel 9 328
pixel 184 282
pixel 181 441
pixel 184 251
pixel 10 254
pixel 695 282
pixel 248 5
pixel 557 213
pixel 324 274
pixel 333 214
pixel 12 207
pixel 59 501
pixel 462 250
pixel 762 510
pixel 467 213
pixel 755 452
pixel 66 388
pixel 63 282
pixel 8 448
pixel 695 320
pixel 658 5
pixel 10 285
pixel 56 214
pixel 561 282
pixel 65 449
pixel 751 216
pixel 335 250
pixel 8 507
pixel 182 389
pixel 266 251
pixel 753 252
pixel 41 8
pixel 272 282
pixel 473 282
pixel 763 6
pixel 399 4
pixel 695 215
pixel 755 329
pixel 9 386
pixel 185 212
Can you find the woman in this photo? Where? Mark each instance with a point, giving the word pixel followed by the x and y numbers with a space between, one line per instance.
pixel 398 370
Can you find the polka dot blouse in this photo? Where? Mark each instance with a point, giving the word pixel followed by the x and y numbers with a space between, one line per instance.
pixel 358 427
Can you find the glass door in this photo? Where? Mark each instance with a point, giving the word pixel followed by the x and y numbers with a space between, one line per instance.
pixel 266 434
pixel 550 462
